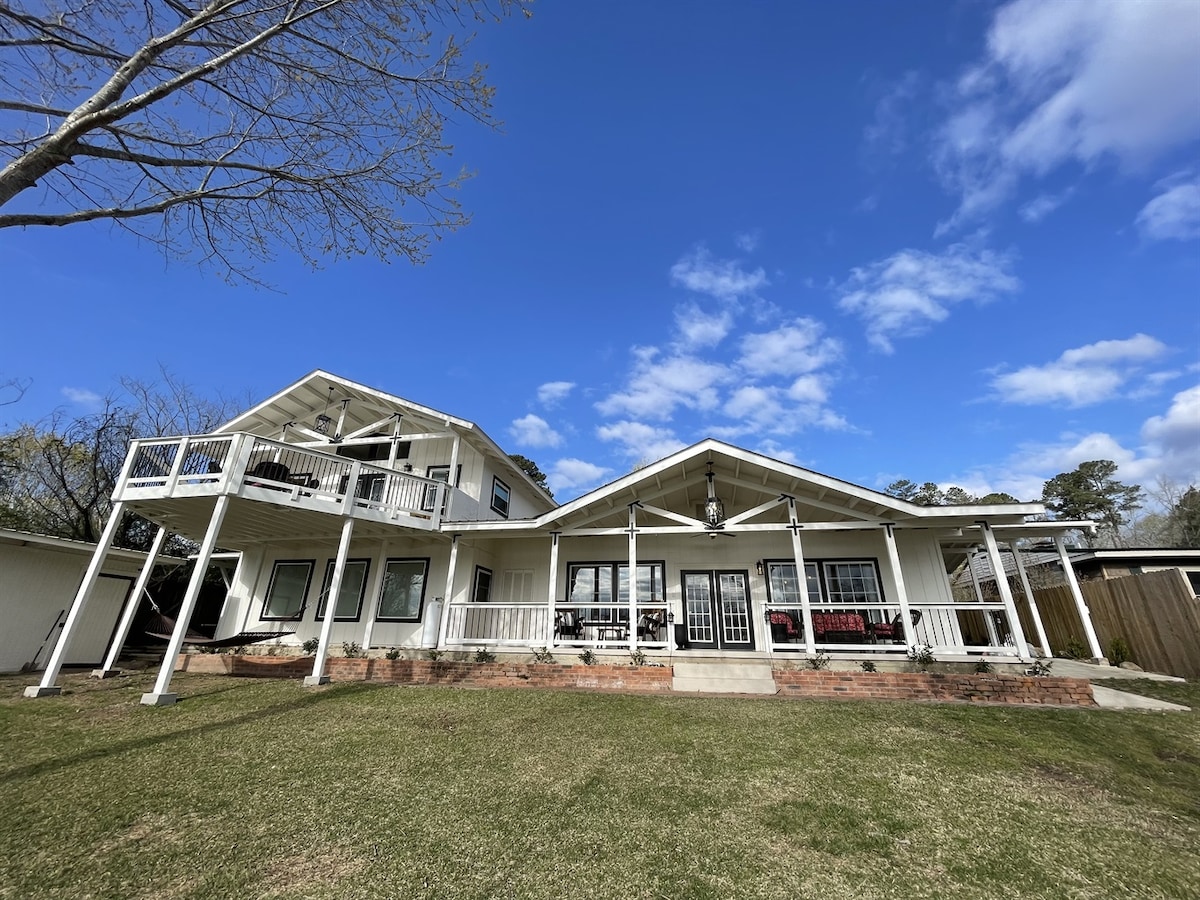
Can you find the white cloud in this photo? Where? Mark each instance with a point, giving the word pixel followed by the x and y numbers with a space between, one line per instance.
pixel 723 279
pixel 905 293
pixel 554 392
pixel 640 441
pixel 698 328
pixel 82 396
pixel 534 431
pixel 1068 82
pixel 1176 435
pixel 1042 205
pixel 791 349
pixel 1082 376
pixel 658 385
pixel 1175 213
pixel 888 131
pixel 574 475
pixel 747 241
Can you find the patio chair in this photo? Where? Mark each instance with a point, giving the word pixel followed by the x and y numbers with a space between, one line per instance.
pixel 567 624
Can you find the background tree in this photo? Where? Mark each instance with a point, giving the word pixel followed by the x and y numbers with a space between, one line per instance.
pixel 1091 492
pixel 530 468
pixel 232 126
pixel 929 494
pixel 57 476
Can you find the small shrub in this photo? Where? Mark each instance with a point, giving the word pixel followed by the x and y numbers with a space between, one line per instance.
pixel 818 662
pixel 310 646
pixel 1040 668
pixel 351 650
pixel 484 655
pixel 587 657
pixel 1075 650
pixel 868 665
pixel 637 658
pixel 273 650
pixel 434 655
pixel 921 656
pixel 1118 651
pixel 983 667
pixel 393 653
pixel 543 655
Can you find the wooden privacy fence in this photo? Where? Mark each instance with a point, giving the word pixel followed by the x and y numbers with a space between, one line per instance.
pixel 1155 613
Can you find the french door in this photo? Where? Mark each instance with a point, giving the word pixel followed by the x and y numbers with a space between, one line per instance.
pixel 716 607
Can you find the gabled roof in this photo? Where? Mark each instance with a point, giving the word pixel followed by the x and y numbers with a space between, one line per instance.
pixel 745 480
pixel 323 392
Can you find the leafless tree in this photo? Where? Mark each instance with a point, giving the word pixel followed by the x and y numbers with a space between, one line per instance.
pixel 235 126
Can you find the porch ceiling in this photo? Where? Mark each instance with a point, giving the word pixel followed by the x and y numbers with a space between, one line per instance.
pixel 249 522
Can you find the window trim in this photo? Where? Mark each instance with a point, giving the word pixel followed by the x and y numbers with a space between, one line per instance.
pixel 298 616
pixel 496 482
pixel 327 579
pixel 431 492
pixel 622 606
pixel 383 584
pixel 821 563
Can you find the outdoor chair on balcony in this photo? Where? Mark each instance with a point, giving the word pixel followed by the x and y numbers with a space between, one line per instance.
pixel 784 628
pixel 649 626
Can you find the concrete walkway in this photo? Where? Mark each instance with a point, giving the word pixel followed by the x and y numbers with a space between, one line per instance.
pixel 1108 698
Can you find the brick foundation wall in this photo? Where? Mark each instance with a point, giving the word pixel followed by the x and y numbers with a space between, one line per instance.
pixel 423 671
pixel 967 687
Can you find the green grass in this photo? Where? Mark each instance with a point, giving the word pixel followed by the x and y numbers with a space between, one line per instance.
pixel 267 789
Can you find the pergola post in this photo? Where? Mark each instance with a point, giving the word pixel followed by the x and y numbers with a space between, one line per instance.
pixel 632 576
pixel 910 629
pixel 810 644
pixel 1085 615
pixel 988 622
pixel 160 696
pixel 552 588
pixel 449 601
pixel 318 675
pixel 108 668
pixel 1010 607
pixel 47 687
pixel 1035 614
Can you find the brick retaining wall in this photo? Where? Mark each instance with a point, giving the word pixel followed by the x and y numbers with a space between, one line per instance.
pixel 967 687
pixel 423 671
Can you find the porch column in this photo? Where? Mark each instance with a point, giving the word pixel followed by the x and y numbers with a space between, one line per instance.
pixel 47 687
pixel 552 589
pixel 910 630
pixel 988 622
pixel 160 696
pixel 107 669
pixel 1016 632
pixel 1085 615
pixel 318 675
pixel 449 601
pixel 632 575
pixel 810 644
pixel 1043 641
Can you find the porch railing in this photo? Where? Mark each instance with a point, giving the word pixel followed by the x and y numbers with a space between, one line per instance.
pixel 274 471
pixel 501 624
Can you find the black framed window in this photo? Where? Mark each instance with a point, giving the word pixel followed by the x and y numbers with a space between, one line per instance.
pixel 288 589
pixel 501 496
pixel 402 596
pixel 442 474
pixel 784 587
pixel 852 582
pixel 350 597
pixel 608 582
pixel 482 591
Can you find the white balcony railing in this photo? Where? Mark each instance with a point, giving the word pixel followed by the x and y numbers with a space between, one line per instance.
pixel 272 471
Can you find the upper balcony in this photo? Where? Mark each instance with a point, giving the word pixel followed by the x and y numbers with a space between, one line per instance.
pixel 260 469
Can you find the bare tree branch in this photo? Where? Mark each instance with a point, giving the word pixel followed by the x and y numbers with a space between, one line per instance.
pixel 243 125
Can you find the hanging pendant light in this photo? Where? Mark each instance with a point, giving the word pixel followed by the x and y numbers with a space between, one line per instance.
pixel 714 509
pixel 322 422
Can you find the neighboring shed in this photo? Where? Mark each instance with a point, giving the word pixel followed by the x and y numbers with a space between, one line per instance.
pixel 39 576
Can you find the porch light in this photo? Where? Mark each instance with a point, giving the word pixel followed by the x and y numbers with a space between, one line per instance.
pixel 714 509
pixel 759 566
pixel 322 422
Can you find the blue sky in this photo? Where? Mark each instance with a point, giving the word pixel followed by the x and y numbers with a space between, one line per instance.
pixel 956 242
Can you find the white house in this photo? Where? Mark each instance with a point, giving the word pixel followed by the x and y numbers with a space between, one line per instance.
pixel 428 535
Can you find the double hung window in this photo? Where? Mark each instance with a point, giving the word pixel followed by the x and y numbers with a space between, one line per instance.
pixel 607 586
pixel 501 496
pixel 288 589
pixel 350 597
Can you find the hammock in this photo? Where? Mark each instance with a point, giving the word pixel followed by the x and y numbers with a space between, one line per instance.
pixel 163 627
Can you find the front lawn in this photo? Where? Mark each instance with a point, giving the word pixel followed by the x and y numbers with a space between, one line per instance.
pixel 255 788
